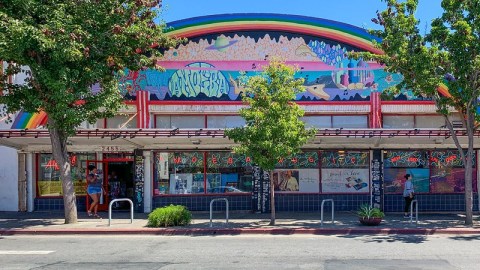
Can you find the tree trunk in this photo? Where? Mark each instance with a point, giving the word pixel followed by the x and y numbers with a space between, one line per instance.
pixel 468 178
pixel 60 155
pixel 467 159
pixel 272 199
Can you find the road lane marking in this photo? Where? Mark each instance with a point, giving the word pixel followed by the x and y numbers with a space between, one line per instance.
pixel 25 252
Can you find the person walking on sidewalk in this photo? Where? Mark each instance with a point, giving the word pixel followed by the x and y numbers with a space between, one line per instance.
pixel 94 190
pixel 408 194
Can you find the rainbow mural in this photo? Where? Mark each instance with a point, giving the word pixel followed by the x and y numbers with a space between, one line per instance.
pixel 224 50
pixel 214 24
pixel 26 120
pixel 336 31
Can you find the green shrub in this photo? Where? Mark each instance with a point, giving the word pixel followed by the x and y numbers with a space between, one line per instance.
pixel 172 215
pixel 368 211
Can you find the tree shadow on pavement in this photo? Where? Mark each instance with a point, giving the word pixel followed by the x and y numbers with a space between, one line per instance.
pixel 465 237
pixel 25 223
pixel 390 238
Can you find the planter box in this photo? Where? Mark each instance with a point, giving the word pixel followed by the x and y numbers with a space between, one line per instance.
pixel 373 221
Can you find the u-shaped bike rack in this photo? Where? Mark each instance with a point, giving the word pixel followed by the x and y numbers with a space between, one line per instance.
pixel 211 208
pixel 119 200
pixel 333 213
pixel 416 211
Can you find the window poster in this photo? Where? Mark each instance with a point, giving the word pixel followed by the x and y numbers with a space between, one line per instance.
pixel 181 183
pixel 162 187
pixel 394 179
pixel 197 185
pixel 246 183
pixel 214 182
pixel 451 180
pixel 345 180
pixel 302 180
pixel 162 165
pixel 229 178
pixel 309 180
pixel 286 180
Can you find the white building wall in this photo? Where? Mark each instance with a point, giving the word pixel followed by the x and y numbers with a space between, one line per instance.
pixel 8 176
pixel 9 162
pixel 8 179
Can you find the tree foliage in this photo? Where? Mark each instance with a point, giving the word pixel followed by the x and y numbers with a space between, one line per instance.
pixel 273 127
pixel 449 53
pixel 67 46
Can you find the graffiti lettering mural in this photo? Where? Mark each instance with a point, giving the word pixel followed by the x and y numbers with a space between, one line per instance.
pixel 190 83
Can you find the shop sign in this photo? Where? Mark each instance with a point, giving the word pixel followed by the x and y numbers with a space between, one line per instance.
pixel 300 160
pixel 409 159
pixel 257 189
pixel 186 159
pixel 139 182
pixel 377 176
pixel 261 190
pixel 227 160
pixel 110 148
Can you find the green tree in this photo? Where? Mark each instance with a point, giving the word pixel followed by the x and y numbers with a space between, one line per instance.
pixel 67 46
pixel 449 53
pixel 273 127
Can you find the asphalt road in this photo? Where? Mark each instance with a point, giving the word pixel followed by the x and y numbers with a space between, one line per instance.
pixel 240 252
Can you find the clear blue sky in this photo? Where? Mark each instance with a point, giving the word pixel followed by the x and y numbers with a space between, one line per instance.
pixel 355 12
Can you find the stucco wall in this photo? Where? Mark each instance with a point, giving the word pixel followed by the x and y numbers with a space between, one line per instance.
pixel 8 176
pixel 8 179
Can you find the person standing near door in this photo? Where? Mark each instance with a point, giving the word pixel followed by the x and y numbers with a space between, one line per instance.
pixel 94 190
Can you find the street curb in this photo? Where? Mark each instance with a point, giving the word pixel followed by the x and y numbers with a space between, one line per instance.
pixel 239 231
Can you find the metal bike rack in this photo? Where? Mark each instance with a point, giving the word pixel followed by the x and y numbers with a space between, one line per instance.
pixel 211 207
pixel 416 211
pixel 333 215
pixel 119 200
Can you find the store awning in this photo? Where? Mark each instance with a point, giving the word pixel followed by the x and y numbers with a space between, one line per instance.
pixel 114 140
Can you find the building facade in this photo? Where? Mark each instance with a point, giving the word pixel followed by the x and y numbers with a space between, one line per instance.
pixel 168 145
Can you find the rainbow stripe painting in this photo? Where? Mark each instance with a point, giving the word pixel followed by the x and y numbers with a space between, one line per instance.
pixel 341 32
pixel 443 90
pixel 26 120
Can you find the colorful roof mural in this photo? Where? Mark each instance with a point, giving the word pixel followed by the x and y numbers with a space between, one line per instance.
pixel 217 24
pixel 224 51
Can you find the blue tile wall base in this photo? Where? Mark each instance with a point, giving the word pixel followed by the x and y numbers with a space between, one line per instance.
pixel 56 204
pixel 430 203
pixel 290 202
pixel 202 203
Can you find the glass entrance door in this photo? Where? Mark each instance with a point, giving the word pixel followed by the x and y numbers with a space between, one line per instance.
pixel 120 181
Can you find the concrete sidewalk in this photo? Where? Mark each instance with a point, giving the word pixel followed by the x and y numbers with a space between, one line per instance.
pixel 239 223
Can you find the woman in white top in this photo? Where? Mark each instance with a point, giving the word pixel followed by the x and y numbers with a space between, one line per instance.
pixel 408 194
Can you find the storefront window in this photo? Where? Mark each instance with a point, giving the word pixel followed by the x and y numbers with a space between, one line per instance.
pixel 345 171
pixel 225 121
pixel 178 173
pixel 398 121
pixel 448 172
pixel 228 172
pixel 122 121
pixel 434 171
pixel 49 183
pixel 299 173
pixel 397 163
